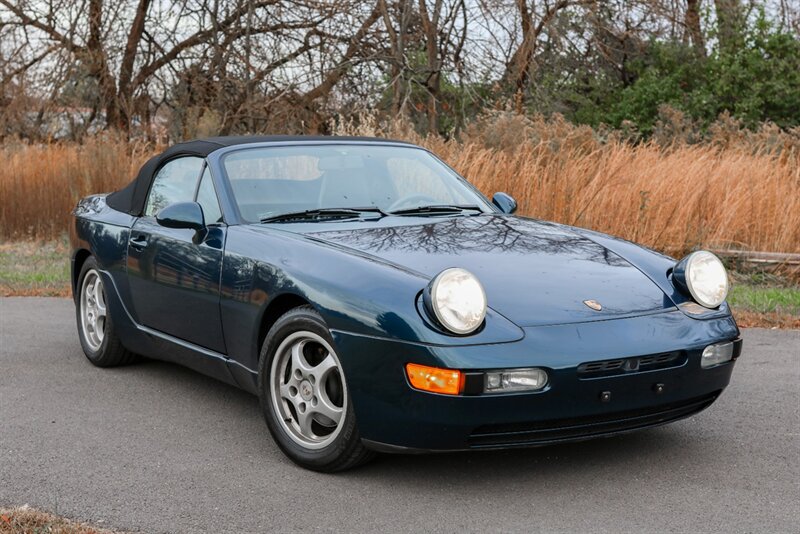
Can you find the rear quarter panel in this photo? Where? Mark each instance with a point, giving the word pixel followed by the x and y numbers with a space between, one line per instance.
pixel 102 232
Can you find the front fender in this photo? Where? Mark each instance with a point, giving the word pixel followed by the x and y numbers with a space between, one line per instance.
pixel 354 292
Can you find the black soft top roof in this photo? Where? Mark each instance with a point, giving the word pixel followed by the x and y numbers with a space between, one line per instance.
pixel 132 197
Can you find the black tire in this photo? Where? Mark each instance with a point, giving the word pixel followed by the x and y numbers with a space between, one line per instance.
pixel 345 450
pixel 110 352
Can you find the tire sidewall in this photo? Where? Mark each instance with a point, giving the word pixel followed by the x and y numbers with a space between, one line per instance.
pixel 304 318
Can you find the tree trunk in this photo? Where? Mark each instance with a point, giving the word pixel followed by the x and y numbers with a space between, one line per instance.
pixel 124 98
pixel 97 63
pixel 730 22
pixel 430 26
pixel 518 70
pixel 397 46
pixel 693 27
pixel 522 58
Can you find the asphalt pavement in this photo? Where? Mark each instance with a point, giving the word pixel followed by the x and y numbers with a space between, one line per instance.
pixel 158 448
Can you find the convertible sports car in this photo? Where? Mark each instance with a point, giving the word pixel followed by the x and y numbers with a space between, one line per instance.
pixel 375 301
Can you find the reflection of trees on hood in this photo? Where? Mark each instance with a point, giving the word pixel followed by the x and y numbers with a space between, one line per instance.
pixel 480 234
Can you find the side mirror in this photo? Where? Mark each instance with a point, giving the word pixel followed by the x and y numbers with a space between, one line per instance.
pixel 182 215
pixel 505 202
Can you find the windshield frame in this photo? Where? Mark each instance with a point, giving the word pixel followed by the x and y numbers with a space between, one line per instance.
pixel 217 159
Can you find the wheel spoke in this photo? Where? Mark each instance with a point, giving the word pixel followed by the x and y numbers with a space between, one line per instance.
pixel 286 393
pixel 298 359
pixel 304 420
pixel 326 407
pixel 99 299
pixel 323 368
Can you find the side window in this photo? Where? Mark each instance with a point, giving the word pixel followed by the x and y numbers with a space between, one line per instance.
pixel 207 198
pixel 175 182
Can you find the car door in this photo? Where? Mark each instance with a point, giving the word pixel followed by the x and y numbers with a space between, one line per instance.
pixel 174 275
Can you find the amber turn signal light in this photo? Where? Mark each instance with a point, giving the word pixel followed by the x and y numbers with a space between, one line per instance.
pixel 434 379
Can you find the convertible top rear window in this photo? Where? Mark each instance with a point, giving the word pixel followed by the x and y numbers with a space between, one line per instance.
pixel 275 180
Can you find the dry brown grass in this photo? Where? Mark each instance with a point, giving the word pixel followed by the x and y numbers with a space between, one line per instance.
pixel 26 520
pixel 40 184
pixel 695 196
pixel 775 320
pixel 739 192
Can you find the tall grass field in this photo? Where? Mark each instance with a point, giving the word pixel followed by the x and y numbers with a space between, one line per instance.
pixel 673 198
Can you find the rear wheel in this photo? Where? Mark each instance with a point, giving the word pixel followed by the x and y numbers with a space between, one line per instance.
pixel 304 395
pixel 96 331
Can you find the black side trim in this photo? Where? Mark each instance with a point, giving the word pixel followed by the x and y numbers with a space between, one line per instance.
pixel 473 383
pixel 737 348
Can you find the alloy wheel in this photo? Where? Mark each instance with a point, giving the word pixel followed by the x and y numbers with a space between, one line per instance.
pixel 93 310
pixel 308 390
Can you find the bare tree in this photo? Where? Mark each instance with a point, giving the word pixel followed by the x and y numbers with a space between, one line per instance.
pixel 123 61
pixel 238 66
pixel 533 24
pixel 439 22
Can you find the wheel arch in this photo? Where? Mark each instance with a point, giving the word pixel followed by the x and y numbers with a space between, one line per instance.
pixel 278 306
pixel 78 259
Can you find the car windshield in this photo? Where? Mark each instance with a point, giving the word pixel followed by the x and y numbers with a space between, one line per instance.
pixel 269 182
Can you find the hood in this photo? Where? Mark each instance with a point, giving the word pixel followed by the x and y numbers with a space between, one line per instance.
pixel 535 273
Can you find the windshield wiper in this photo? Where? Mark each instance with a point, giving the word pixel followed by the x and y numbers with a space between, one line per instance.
pixel 322 213
pixel 437 209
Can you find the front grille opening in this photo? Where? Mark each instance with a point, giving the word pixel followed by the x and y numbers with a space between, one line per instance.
pixel 600 367
pixel 543 432
pixel 632 365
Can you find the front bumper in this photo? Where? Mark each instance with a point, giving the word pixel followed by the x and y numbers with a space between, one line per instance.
pixel 393 416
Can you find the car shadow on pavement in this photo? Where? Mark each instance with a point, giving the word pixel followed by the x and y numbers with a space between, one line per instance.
pixel 620 452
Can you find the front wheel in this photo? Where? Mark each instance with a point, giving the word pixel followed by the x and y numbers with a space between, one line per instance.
pixel 304 395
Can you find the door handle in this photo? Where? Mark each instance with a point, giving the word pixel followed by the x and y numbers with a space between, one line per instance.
pixel 138 241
